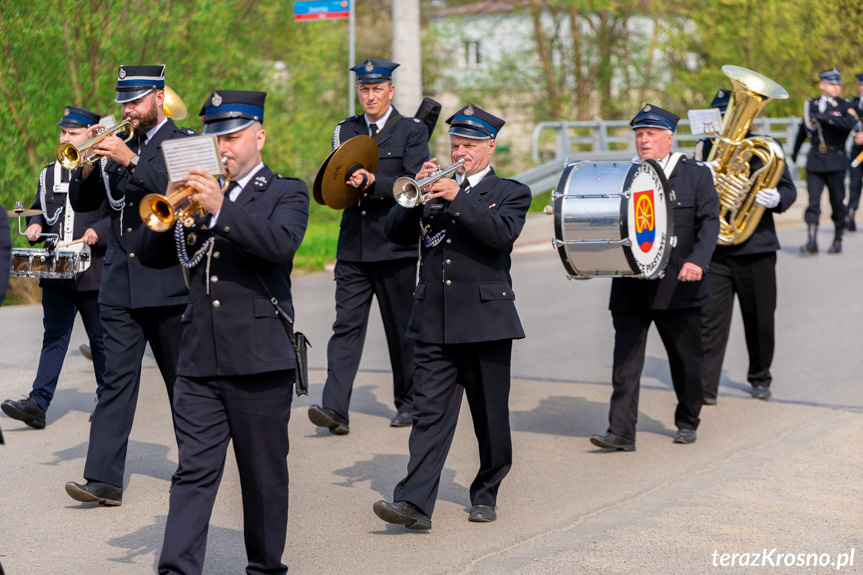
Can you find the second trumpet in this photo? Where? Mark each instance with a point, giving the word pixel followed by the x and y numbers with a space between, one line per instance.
pixel 408 192
pixel 71 156
pixel 160 212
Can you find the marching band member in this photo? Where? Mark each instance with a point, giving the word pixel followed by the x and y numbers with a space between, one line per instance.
pixel 138 305
pixel 747 269
pixel 826 122
pixel 855 174
pixel 236 360
pixel 673 303
pixel 463 320
pixel 367 264
pixel 63 299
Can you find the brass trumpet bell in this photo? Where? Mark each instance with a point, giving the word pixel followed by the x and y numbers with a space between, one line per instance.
pixel 71 156
pixel 408 192
pixel 160 212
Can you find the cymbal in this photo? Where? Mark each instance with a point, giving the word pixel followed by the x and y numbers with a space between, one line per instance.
pixel 330 183
pixel 22 212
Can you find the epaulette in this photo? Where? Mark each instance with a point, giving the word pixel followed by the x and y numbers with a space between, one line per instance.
pixel 416 120
pixel 188 131
pixel 349 119
pixel 281 177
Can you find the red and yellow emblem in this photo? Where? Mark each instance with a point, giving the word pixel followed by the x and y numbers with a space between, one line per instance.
pixel 645 219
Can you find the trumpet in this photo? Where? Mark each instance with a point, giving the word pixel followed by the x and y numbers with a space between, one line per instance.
pixel 71 156
pixel 408 192
pixel 160 212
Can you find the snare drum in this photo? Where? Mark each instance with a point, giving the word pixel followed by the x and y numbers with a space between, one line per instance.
pixel 612 219
pixel 47 264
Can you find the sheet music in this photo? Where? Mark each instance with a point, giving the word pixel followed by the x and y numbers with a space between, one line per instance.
pixel 183 154
pixel 707 122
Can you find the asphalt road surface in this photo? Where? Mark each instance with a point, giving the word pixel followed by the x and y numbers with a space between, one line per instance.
pixel 778 482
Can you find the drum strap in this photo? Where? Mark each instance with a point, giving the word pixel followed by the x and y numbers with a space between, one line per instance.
pixel 669 166
pixel 63 188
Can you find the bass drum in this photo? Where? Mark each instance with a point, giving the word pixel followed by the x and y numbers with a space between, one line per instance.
pixel 612 219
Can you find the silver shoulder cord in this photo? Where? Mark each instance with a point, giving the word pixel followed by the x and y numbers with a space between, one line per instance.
pixel 183 255
pixel 118 205
pixel 49 221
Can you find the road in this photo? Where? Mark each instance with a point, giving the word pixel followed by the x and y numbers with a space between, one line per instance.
pixel 784 474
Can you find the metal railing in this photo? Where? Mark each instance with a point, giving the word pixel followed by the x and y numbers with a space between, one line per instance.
pixel 612 140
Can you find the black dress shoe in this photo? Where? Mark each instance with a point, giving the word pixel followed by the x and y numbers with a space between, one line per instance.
pixel 326 417
pixel 835 247
pixel 402 513
pixel 482 513
pixel 25 410
pixel 104 493
pixel 684 436
pixel 613 441
pixel 761 392
pixel 85 351
pixel 708 400
pixel 402 419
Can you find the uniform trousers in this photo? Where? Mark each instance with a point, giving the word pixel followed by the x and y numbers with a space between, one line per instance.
pixel 753 278
pixel 209 412
pixel 681 335
pixel 393 283
pixel 855 183
pixel 126 334
pixel 835 182
pixel 443 374
pixel 59 308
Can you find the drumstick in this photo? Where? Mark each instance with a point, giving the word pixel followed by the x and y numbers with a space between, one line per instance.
pixel 857 160
pixel 66 244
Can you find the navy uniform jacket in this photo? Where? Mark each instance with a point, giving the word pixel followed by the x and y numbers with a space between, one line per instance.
pixel 5 254
pixel 695 207
pixel 125 282
pixel 99 220
pixel 402 149
pixel 838 119
pixel 230 327
pixel 465 294
pixel 763 238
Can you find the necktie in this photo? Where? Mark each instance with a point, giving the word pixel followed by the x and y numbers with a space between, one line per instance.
pixel 465 185
pixel 374 129
pixel 231 191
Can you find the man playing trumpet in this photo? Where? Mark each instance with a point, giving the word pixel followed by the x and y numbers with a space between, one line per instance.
pixel 463 319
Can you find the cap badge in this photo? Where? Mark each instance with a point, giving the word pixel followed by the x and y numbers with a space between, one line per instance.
pixel 469 110
pixel 369 65
pixel 721 93
pixel 67 111
pixel 646 108
pixel 122 73
pixel 216 99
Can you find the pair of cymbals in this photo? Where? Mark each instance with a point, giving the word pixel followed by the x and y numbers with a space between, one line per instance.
pixel 330 188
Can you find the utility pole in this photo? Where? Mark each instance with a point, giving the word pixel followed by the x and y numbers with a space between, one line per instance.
pixel 407 52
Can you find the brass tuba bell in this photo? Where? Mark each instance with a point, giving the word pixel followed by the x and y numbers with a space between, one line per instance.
pixel 732 150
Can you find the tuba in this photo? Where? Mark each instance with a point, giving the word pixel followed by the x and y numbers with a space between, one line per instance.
pixel 736 184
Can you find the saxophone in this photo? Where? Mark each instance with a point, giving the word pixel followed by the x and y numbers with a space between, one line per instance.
pixel 735 181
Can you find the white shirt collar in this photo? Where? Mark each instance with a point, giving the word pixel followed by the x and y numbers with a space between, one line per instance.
pixel 382 121
pixel 474 179
pixel 151 133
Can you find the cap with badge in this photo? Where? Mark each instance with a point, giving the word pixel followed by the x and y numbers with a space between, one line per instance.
pixel 136 81
pixel 373 70
pixel 651 116
pixel 830 76
pixel 474 122
pixel 720 100
pixel 228 111
pixel 860 78
pixel 78 118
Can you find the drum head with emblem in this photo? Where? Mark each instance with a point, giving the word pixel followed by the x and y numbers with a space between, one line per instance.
pixel 649 221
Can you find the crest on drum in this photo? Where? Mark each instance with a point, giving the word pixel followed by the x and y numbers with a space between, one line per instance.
pixel 645 219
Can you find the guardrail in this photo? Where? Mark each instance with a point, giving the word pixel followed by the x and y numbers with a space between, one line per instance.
pixel 603 141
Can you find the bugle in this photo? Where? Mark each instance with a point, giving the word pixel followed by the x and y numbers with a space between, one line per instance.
pixel 408 192
pixel 160 212
pixel 71 156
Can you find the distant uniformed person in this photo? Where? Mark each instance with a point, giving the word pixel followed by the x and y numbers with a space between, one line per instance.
pixel 747 269
pixel 236 360
pixel 138 305
pixel 463 319
pixel 826 122
pixel 856 173
pixel 672 303
pixel 63 299
pixel 367 264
